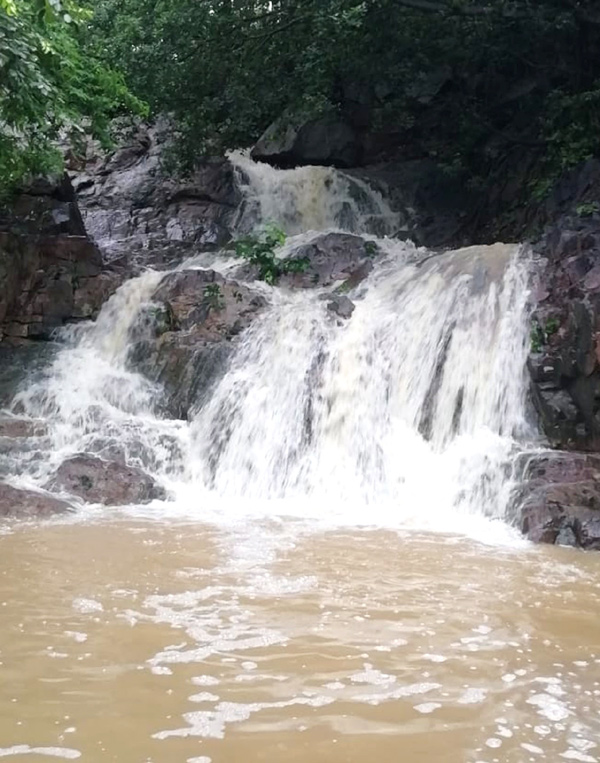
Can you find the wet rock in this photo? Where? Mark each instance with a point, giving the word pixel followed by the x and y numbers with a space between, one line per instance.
pixel 564 364
pixel 50 272
pixel 560 500
pixel 94 480
pixel 185 337
pixel 332 258
pixel 45 207
pixel 295 141
pixel 134 210
pixel 16 503
pixel 21 365
pixel 341 306
pixel 13 426
pixel 47 281
pixel 434 207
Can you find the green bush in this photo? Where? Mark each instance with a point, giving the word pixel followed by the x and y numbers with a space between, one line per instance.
pixel 259 250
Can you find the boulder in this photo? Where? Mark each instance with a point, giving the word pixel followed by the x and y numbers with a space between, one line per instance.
pixel 50 272
pixel 132 208
pixel 47 281
pixel 341 305
pixel 16 503
pixel 183 340
pixel 15 427
pixel 560 500
pixel 331 258
pixel 45 207
pixel 93 480
pixel 295 141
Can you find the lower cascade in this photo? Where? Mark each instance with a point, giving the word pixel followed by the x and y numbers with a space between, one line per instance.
pixel 409 413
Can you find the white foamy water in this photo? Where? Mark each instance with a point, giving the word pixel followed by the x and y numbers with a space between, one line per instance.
pixel 308 198
pixel 412 408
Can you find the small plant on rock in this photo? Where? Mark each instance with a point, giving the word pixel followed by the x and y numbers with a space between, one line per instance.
pixel 587 208
pixel 370 248
pixel 260 251
pixel 214 297
pixel 537 338
pixel 540 335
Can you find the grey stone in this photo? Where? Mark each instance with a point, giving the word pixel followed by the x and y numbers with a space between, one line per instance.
pixel 16 503
pixel 94 480
pixel 295 140
pixel 132 208
pixel 342 306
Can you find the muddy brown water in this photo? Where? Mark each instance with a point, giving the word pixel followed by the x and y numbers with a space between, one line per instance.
pixel 135 641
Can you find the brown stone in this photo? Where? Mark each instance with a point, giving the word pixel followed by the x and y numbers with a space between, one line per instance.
pixel 560 501
pixel 93 480
pixel 16 427
pixel 185 337
pixel 16 503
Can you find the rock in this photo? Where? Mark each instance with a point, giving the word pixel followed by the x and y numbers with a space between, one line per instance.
pixel 331 258
pixel 564 364
pixel 94 480
pixel 432 205
pixel 560 499
pixel 342 306
pixel 45 207
pixel 50 272
pixel 133 209
pixel 16 503
pixel 295 141
pixel 47 281
pixel 184 339
pixel 13 426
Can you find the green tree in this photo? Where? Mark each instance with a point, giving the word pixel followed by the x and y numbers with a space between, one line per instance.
pixel 49 85
pixel 460 80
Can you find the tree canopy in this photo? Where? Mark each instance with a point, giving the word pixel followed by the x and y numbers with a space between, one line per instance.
pixel 449 78
pixel 458 80
pixel 50 83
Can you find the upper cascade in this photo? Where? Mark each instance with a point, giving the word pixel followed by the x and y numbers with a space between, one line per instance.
pixel 308 199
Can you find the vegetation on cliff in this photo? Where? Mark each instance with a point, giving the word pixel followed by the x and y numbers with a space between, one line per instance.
pixel 462 81
pixel 50 85
pixel 458 80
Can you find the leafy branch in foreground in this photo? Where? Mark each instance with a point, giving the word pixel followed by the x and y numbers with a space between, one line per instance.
pixel 50 86
pixel 260 251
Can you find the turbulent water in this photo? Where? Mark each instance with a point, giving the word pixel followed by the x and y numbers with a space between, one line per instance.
pixel 315 588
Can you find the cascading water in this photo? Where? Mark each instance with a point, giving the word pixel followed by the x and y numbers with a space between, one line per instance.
pixel 308 199
pixel 407 414
pixel 411 409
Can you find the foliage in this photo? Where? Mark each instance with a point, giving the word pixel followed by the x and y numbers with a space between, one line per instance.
pixel 48 85
pixel 540 335
pixel 260 251
pixel 587 208
pixel 470 83
pixel 214 297
pixel 370 248
pixel 464 81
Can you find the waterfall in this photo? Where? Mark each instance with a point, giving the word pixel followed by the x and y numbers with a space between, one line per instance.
pixel 409 413
pixel 413 408
pixel 308 199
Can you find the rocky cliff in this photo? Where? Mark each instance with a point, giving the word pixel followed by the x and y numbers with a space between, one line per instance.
pixel 51 273
pixel 137 211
